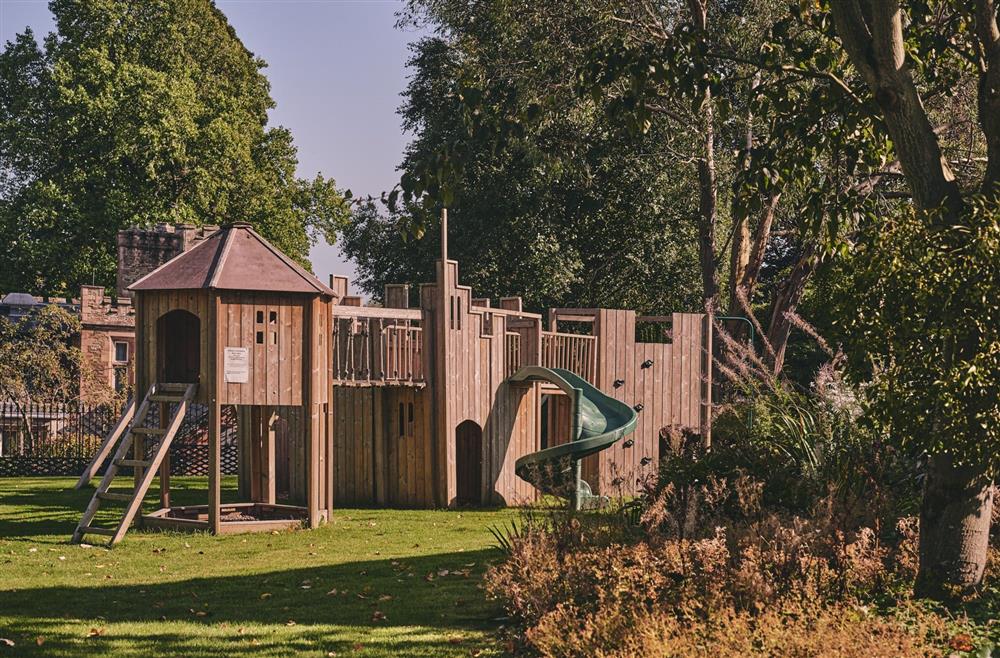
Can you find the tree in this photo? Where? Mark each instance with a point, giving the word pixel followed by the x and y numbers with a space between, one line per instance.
pixel 686 82
pixel 133 114
pixel 606 222
pixel 935 302
pixel 38 360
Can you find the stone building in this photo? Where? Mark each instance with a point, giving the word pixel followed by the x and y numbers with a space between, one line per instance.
pixel 107 335
pixel 140 251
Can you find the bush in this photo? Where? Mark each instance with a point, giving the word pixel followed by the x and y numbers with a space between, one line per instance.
pixel 796 538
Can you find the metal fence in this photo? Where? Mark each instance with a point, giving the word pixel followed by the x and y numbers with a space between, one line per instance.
pixel 61 439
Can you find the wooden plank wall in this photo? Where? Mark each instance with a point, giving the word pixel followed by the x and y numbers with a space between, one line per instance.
pixel 382 452
pixel 276 364
pixel 512 430
pixel 150 306
pixel 473 388
pixel 670 392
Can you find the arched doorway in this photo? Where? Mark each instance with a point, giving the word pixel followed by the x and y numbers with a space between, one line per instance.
pixel 178 347
pixel 469 463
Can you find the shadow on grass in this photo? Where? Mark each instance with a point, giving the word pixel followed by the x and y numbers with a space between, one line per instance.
pixel 396 604
pixel 36 507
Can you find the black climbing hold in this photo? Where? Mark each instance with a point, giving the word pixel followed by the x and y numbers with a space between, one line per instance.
pixel 638 407
pixel 619 383
pixel 628 443
pixel 645 460
pixel 648 363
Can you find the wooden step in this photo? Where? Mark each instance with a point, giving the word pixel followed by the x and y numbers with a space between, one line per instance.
pixel 132 462
pixel 177 388
pixel 107 495
pixel 166 398
pixel 155 431
pixel 91 530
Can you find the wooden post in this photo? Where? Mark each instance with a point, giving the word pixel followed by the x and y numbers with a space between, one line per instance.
pixel 244 440
pixel 165 464
pixel 214 366
pixel 444 433
pixel 311 420
pixel 268 486
pixel 706 381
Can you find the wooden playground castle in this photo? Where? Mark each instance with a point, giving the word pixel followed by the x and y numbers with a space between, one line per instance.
pixel 339 404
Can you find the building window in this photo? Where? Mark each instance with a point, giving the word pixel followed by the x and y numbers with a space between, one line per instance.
pixel 121 351
pixel 121 379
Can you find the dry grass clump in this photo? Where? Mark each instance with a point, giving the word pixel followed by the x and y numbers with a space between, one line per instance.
pixel 711 572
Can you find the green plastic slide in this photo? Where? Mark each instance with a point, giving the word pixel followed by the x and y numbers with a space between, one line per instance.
pixel 598 422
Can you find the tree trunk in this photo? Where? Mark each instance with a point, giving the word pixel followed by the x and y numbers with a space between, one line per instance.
pixel 707 194
pixel 786 300
pixel 957 504
pixel 954 528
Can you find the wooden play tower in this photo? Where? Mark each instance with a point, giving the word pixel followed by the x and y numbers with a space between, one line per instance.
pixel 433 405
pixel 234 322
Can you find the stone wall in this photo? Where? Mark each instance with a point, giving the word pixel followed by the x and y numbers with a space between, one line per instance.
pixel 140 251
pixel 104 322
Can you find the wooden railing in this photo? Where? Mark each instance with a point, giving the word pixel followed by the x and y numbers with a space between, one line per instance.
pixel 374 346
pixel 512 352
pixel 572 352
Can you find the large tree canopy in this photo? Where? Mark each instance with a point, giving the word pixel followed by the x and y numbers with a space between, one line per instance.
pixel 133 113
pixel 574 211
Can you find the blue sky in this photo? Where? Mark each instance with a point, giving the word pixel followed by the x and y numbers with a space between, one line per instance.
pixel 336 68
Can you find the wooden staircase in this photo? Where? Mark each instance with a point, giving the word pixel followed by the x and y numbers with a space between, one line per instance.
pixel 135 440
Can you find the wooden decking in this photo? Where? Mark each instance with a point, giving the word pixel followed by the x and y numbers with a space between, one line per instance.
pixel 235 518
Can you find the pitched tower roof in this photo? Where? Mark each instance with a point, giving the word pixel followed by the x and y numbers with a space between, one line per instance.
pixel 234 258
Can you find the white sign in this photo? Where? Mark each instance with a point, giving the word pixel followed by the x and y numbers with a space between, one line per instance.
pixel 237 365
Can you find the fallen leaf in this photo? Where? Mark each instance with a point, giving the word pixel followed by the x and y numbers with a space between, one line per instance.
pixel 378 615
pixel 332 592
pixel 95 632
pixel 40 640
pixel 385 597
pixel 265 596
pixel 290 622
pixel 961 642
pixel 62 557
pixel 443 573
pixel 4 642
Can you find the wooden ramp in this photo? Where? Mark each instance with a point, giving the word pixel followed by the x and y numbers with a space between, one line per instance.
pixel 135 440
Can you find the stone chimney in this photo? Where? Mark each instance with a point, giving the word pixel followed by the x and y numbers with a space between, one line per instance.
pixel 140 251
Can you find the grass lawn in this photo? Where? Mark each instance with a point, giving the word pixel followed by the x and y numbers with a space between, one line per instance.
pixel 370 583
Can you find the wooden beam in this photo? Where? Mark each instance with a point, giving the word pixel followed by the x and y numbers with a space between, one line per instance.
pixel 213 362
pixel 165 464
pixel 374 312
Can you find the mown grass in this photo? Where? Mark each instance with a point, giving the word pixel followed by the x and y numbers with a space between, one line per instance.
pixel 370 583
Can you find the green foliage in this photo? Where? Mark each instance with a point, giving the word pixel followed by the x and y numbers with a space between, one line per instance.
pixel 38 361
pixel 925 317
pixel 570 210
pixel 133 114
